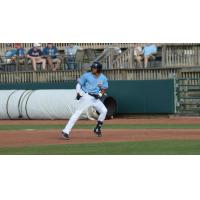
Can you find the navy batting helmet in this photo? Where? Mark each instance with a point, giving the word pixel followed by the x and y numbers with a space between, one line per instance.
pixel 97 65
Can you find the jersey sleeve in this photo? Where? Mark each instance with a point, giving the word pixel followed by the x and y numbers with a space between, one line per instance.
pixel 82 79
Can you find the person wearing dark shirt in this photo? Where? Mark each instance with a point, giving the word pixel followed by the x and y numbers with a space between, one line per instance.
pixel 51 54
pixel 35 55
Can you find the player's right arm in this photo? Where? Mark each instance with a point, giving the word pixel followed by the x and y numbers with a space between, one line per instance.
pixel 78 91
pixel 80 83
pixel 82 79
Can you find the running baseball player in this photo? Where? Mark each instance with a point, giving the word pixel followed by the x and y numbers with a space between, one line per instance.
pixel 91 87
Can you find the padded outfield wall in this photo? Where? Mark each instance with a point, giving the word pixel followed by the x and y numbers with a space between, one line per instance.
pixel 133 97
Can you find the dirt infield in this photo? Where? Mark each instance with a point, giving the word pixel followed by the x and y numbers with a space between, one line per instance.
pixel 164 120
pixel 45 137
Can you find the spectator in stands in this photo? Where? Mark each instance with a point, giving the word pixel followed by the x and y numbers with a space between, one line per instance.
pixel 20 53
pixel 35 54
pixel 149 51
pixel 10 54
pixel 51 53
pixel 70 53
pixel 138 54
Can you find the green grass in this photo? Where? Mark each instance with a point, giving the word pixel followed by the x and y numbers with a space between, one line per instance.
pixel 113 126
pixel 174 147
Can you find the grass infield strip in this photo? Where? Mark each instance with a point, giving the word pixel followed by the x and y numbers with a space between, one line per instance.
pixel 114 126
pixel 173 147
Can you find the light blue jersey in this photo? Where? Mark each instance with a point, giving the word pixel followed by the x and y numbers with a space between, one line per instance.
pixel 149 49
pixel 93 84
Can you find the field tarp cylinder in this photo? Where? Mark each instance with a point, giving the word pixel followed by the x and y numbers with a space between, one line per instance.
pixel 41 104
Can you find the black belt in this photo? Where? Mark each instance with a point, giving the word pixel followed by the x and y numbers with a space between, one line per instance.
pixel 96 96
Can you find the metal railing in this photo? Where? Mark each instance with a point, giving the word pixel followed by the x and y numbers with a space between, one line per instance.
pixel 141 74
pixel 112 74
pixel 188 95
pixel 167 56
pixel 39 77
pixel 184 56
pixel 125 60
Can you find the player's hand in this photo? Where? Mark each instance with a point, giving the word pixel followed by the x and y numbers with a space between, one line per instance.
pixel 100 95
pixel 78 96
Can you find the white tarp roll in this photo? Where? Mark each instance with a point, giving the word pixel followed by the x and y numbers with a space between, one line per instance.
pixel 14 103
pixel 4 95
pixel 40 104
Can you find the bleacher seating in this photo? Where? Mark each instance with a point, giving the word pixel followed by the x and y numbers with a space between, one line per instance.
pixel 168 55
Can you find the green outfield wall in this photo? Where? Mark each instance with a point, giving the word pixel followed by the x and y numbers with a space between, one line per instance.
pixel 133 97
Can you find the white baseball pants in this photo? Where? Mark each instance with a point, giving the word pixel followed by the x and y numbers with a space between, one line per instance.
pixel 84 103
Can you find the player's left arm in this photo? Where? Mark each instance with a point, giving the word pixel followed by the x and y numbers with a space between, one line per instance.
pixel 103 88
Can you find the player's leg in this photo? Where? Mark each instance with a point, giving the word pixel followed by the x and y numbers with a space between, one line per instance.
pixel 50 62
pixel 146 59
pixel 41 60
pixel 57 62
pixel 84 103
pixel 102 110
pixel 33 60
pixel 43 63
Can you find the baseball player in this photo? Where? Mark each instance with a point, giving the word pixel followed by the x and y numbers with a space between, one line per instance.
pixel 91 87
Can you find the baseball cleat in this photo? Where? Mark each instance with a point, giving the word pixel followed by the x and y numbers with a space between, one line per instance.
pixel 97 132
pixel 65 136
